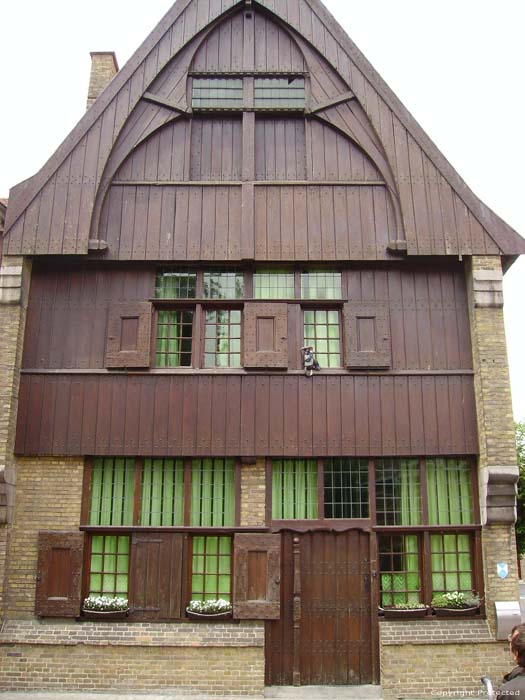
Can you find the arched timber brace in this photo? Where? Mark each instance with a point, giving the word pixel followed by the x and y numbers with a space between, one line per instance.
pixel 427 208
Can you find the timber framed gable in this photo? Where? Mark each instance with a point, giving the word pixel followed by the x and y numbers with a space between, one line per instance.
pixel 52 214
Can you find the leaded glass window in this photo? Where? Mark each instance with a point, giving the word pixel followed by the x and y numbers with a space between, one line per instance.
pixel 273 284
pixel 211 568
pixel 322 331
pixel 174 338
pixel 451 561
pixel 398 497
pixel 321 285
pixel 175 284
pixel 223 285
pixel 399 566
pixel 109 565
pixel 280 93
pixel 214 93
pixel 222 342
pixel 346 488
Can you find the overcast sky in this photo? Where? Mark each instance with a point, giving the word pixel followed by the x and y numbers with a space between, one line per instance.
pixel 457 65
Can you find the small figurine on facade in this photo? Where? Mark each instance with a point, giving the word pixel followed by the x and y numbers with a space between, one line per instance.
pixel 309 362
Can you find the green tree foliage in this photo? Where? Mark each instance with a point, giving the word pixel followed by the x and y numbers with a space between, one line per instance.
pixel 520 524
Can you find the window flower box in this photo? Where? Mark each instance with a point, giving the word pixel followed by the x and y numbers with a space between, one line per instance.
pixel 395 612
pixel 209 610
pixel 105 608
pixel 455 604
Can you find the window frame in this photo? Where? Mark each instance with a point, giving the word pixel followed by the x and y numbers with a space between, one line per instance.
pixel 248 90
pixel 137 492
pixel 423 531
pixel 135 528
pixel 296 306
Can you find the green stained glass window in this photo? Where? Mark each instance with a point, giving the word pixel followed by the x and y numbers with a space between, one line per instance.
pixel 294 489
pixel 222 341
pixel 398 495
pixel 449 488
pixel 451 562
pixel 162 492
pixel 109 565
pixel 273 284
pixel 321 285
pixel 111 501
pixel 174 338
pixel 223 285
pixel 213 93
pixel 212 493
pixel 175 284
pixel 399 569
pixel 322 330
pixel 211 568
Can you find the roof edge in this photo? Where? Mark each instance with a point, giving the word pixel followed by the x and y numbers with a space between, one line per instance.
pixel 507 238
pixel 20 200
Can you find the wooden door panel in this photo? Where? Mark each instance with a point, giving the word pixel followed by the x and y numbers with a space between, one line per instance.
pixel 332 630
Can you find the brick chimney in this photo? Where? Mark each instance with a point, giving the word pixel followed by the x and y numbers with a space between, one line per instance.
pixel 104 67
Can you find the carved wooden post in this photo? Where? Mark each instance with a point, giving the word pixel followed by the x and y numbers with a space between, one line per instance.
pixel 296 610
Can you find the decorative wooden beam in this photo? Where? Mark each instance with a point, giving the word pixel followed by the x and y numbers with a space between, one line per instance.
pixel 155 99
pixel 399 246
pixel 345 97
pixel 296 611
pixel 257 183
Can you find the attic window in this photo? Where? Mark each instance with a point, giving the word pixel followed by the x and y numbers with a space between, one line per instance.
pixel 279 93
pixel 217 93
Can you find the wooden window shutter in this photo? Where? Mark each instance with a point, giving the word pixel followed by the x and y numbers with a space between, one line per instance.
pixel 129 335
pixel 156 575
pixel 59 574
pixel 367 335
pixel 266 336
pixel 257 577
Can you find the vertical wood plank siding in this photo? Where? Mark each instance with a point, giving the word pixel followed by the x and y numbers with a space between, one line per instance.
pixel 68 312
pixel 416 414
pixel 58 210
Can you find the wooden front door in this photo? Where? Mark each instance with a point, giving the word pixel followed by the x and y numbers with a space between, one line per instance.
pixel 324 635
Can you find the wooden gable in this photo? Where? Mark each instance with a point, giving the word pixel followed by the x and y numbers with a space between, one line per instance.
pixel 62 208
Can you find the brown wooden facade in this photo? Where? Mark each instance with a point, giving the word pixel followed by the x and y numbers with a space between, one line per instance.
pixel 344 182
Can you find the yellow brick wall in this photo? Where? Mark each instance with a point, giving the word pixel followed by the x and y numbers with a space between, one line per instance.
pixel 48 497
pixel 214 671
pixel 492 382
pixel 447 670
pixel 12 325
pixel 495 424
pixel 253 494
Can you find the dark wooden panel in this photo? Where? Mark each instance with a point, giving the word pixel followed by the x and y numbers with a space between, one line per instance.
pixel 336 157
pixel 322 223
pixel 156 584
pixel 315 409
pixel 280 148
pixel 326 612
pixel 59 574
pixel 257 577
pixel 216 149
pixel 196 223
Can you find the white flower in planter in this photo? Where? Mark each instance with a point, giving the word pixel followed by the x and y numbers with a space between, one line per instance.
pixel 209 607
